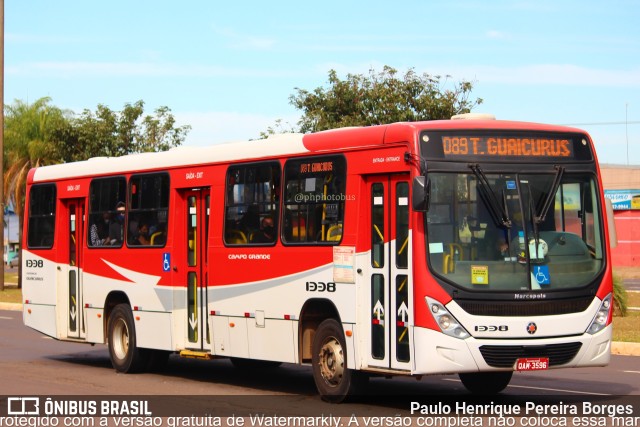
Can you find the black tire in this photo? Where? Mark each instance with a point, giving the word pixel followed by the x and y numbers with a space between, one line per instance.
pixel 254 365
pixel 125 356
pixel 333 380
pixel 486 383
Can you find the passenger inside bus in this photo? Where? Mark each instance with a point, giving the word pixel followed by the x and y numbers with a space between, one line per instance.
pixel 250 221
pixel 99 231
pixel 267 233
pixel 116 226
pixel 142 235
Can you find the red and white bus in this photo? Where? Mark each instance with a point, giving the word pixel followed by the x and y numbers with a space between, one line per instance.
pixel 473 247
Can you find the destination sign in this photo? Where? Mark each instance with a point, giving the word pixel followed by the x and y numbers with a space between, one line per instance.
pixel 316 167
pixel 507 147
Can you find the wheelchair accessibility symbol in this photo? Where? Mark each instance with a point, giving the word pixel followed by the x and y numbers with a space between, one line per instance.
pixel 541 274
pixel 166 262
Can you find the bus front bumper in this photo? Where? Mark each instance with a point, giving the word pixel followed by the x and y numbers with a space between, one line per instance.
pixel 437 353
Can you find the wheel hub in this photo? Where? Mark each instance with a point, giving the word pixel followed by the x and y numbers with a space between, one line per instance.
pixel 332 362
pixel 121 339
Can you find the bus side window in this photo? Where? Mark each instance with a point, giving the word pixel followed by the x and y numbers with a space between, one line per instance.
pixel 148 209
pixel 252 200
pixel 314 200
pixel 42 213
pixel 106 212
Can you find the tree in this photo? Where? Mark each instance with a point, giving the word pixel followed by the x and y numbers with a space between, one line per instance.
pixel 278 127
pixel 39 134
pixel 378 98
pixel 109 133
pixel 28 143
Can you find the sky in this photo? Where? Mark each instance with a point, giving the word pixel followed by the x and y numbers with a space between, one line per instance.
pixel 228 68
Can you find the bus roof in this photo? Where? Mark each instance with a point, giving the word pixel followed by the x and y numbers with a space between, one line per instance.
pixel 279 145
pixel 273 147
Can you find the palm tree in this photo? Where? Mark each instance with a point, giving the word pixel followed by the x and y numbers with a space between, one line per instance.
pixel 28 143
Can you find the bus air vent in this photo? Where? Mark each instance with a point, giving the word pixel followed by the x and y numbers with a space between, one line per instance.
pixel 525 308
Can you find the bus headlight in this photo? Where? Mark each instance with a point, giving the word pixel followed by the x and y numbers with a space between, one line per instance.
pixel 600 320
pixel 445 320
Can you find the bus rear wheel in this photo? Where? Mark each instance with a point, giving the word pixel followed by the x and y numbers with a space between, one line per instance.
pixel 125 355
pixel 485 383
pixel 333 380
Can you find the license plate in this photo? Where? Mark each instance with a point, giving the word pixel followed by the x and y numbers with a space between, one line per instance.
pixel 532 364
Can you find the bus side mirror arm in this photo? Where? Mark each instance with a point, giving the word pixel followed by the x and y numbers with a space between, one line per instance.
pixel 420 194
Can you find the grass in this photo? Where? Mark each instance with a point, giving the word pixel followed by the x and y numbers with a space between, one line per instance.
pixel 627 328
pixel 11 294
pixel 633 299
pixel 11 278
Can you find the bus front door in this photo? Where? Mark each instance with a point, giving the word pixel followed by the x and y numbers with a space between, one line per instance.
pixel 72 281
pixel 196 230
pixel 388 285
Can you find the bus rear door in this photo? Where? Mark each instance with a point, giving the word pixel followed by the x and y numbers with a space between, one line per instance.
pixel 388 285
pixel 74 210
pixel 195 275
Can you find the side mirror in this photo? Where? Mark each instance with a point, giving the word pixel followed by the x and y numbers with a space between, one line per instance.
pixel 420 194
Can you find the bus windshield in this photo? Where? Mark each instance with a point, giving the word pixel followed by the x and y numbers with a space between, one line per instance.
pixel 515 231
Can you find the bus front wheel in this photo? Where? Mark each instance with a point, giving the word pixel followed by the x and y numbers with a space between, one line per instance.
pixel 333 380
pixel 486 382
pixel 125 355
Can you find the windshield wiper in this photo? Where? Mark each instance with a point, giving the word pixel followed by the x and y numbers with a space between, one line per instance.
pixel 535 221
pixel 539 217
pixel 498 212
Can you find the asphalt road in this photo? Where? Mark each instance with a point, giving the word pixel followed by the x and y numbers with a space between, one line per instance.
pixel 34 364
